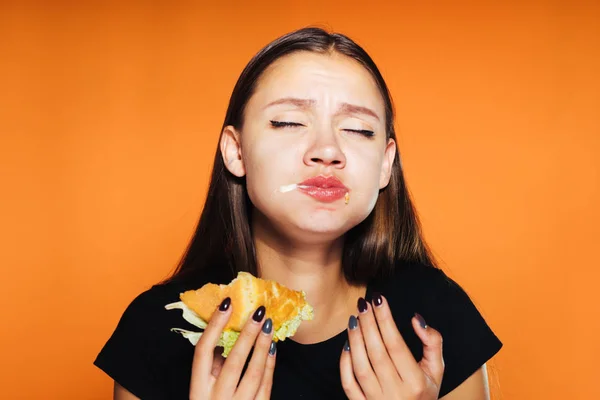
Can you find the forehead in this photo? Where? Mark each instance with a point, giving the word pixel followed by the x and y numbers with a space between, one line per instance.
pixel 329 77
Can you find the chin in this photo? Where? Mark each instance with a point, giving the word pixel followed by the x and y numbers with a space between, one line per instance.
pixel 320 224
pixel 312 236
pixel 321 228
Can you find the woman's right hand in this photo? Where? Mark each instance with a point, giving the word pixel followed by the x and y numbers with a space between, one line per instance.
pixel 216 378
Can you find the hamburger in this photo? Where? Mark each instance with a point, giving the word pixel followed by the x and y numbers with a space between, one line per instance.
pixel 287 308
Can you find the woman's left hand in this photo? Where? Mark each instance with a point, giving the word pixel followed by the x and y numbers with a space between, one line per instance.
pixel 377 363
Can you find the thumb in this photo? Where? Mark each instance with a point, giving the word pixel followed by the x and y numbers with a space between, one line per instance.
pixel 433 360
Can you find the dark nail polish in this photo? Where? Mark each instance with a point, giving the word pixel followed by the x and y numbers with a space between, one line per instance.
pixel 267 326
pixel 362 305
pixel 225 304
pixel 273 348
pixel 346 346
pixel 377 300
pixel 353 322
pixel 421 321
pixel 259 314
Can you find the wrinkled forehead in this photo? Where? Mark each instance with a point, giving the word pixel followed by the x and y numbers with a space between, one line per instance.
pixel 329 79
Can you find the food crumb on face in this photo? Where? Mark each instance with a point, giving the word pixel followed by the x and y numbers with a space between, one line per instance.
pixel 287 188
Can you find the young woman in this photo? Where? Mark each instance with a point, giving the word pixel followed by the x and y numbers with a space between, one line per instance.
pixel 307 190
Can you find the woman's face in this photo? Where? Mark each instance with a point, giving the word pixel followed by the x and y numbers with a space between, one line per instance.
pixel 312 115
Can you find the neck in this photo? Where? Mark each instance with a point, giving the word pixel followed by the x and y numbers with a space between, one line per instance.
pixel 315 268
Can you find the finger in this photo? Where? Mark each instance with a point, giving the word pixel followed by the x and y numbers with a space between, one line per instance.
pixel 218 361
pixel 401 356
pixel 230 374
pixel 360 360
pixel 264 391
pixel 203 353
pixel 385 370
pixel 433 359
pixel 256 368
pixel 349 383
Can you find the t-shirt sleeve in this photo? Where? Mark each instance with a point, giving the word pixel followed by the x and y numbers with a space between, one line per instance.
pixel 127 355
pixel 468 340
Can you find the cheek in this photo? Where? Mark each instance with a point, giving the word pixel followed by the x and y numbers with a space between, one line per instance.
pixel 365 172
pixel 366 169
pixel 268 167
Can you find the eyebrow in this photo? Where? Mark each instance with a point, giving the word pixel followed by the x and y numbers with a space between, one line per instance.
pixel 300 103
pixel 346 108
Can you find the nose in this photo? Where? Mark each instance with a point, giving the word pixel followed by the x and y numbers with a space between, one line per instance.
pixel 325 150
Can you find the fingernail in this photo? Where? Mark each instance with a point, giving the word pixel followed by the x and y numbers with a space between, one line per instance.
pixel 267 326
pixel 259 314
pixel 346 346
pixel 362 305
pixel 421 321
pixel 353 322
pixel 225 304
pixel 377 300
pixel 272 348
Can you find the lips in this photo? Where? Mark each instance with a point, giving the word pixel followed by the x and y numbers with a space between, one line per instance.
pixel 326 189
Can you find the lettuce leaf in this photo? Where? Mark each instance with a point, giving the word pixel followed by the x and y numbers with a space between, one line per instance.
pixel 228 337
pixel 226 340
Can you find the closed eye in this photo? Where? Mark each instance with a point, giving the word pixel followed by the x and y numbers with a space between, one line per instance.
pixel 282 124
pixel 364 132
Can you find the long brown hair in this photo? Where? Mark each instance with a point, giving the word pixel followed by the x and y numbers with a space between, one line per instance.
pixel 222 243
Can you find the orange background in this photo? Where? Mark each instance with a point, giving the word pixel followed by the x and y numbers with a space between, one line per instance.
pixel 109 118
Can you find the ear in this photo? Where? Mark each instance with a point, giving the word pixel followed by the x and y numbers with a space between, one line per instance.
pixel 231 150
pixel 388 161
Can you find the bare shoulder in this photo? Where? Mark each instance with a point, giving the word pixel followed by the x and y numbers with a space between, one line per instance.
pixel 120 393
pixel 474 387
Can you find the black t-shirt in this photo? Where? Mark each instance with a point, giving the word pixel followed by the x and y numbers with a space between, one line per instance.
pixel 145 357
